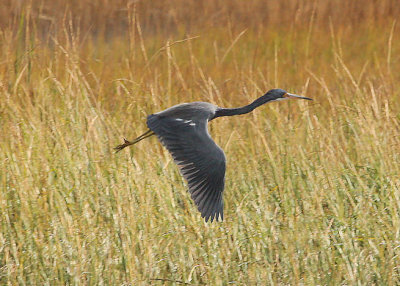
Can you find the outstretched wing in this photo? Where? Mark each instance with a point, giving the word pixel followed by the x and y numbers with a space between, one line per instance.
pixel 201 161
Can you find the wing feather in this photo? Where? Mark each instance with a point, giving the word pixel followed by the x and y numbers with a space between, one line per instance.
pixel 202 162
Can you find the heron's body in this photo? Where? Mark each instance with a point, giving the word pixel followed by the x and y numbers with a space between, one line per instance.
pixel 182 129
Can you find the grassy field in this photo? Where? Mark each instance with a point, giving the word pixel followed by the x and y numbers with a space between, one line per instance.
pixel 312 191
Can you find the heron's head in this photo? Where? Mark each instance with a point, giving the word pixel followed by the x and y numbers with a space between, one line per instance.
pixel 278 94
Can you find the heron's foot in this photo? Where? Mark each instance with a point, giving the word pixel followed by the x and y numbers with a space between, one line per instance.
pixel 122 146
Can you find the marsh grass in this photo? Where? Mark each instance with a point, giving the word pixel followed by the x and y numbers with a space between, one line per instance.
pixel 312 189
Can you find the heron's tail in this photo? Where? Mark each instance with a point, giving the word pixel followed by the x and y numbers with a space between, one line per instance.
pixel 127 143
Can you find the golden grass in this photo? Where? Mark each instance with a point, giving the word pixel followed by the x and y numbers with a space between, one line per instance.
pixel 312 189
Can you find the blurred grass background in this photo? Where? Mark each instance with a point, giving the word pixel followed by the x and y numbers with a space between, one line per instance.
pixel 312 191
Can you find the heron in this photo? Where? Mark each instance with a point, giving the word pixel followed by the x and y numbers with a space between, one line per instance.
pixel 182 129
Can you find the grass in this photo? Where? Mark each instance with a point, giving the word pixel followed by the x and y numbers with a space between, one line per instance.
pixel 312 191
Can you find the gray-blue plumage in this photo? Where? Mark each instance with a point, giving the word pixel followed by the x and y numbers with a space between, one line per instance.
pixel 182 129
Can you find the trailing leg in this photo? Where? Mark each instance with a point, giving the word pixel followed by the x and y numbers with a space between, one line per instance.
pixel 128 143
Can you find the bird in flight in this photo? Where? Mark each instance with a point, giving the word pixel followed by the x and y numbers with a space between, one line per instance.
pixel 182 129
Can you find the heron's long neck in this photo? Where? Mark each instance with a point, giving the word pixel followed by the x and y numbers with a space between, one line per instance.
pixel 240 110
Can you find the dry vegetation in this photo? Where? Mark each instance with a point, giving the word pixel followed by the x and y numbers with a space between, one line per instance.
pixel 313 189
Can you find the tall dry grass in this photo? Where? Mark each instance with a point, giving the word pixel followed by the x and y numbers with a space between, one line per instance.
pixel 312 190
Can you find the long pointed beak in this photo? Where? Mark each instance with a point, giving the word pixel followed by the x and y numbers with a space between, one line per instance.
pixel 291 95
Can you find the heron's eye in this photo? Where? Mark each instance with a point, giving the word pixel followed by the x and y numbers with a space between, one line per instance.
pixel 285 95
